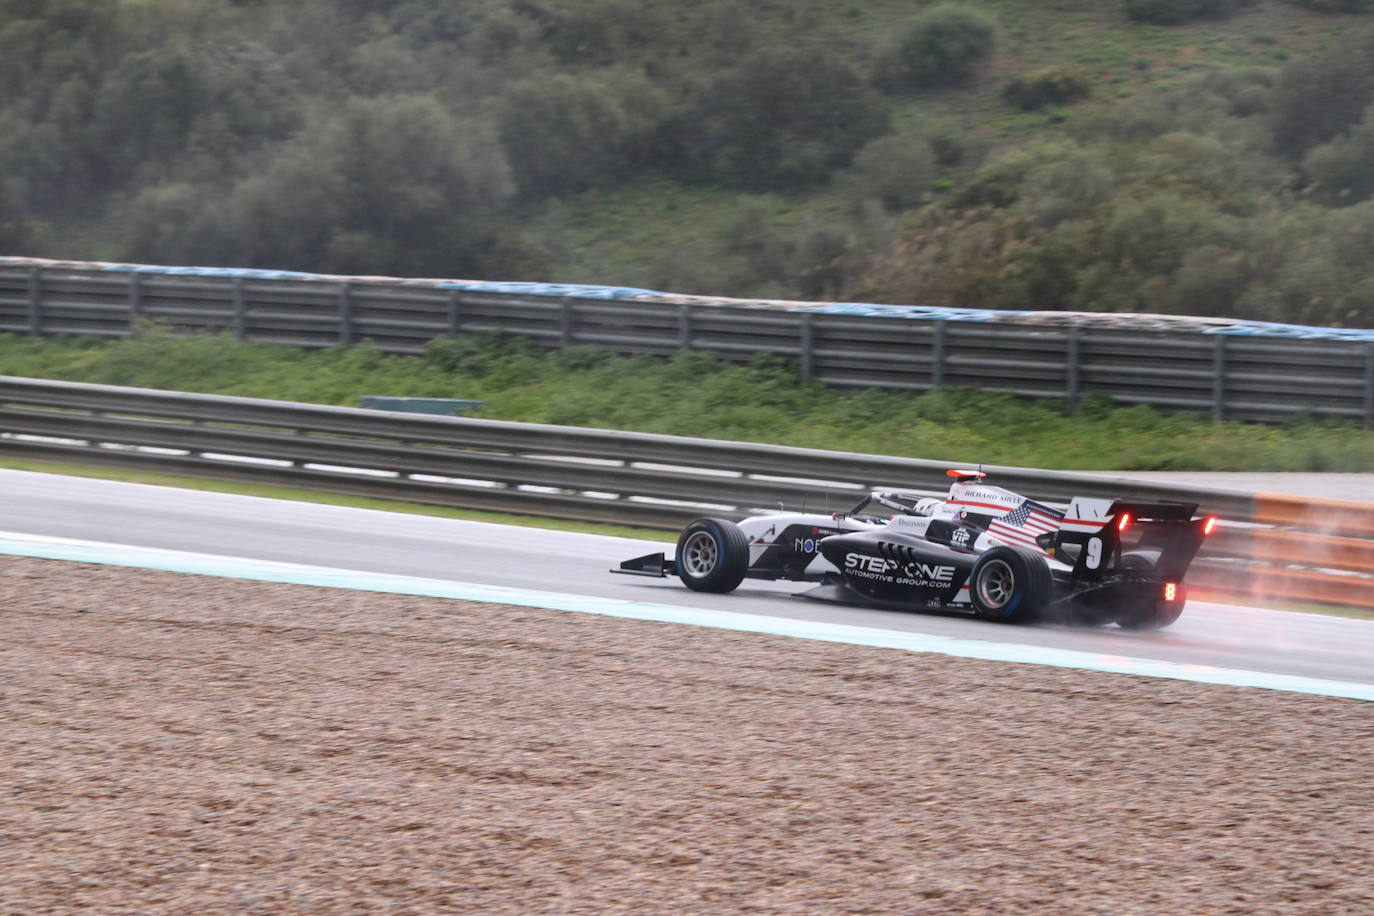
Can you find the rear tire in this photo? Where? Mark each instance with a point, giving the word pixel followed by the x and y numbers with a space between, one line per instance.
pixel 712 555
pixel 1140 560
pixel 1010 584
pixel 1156 615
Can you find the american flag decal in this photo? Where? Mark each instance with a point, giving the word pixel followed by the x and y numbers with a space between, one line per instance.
pixel 1024 524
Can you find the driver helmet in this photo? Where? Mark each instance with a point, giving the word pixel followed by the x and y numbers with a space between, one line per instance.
pixel 927 506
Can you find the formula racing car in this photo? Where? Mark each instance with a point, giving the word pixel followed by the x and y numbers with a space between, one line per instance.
pixel 982 550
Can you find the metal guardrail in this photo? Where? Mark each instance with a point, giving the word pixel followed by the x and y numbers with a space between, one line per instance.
pixel 1289 547
pixel 1239 377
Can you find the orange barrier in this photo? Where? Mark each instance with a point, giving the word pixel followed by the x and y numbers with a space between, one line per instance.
pixel 1293 584
pixel 1278 547
pixel 1311 549
pixel 1320 516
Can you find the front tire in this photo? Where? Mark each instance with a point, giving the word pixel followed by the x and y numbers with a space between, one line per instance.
pixel 1010 584
pixel 712 555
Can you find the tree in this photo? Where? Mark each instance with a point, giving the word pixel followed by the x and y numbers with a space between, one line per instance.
pixel 1317 98
pixel 1337 6
pixel 396 184
pixel 1343 169
pixel 942 46
pixel 564 133
pixel 782 116
pixel 146 105
pixel 1177 12
pixel 896 171
pixel 1046 86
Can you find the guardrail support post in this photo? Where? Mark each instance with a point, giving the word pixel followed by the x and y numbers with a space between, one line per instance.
pixel 1219 378
pixel 35 301
pixel 1368 385
pixel 565 323
pixel 805 347
pixel 135 299
pixel 455 314
pixel 345 315
pixel 1071 370
pixel 684 327
pixel 240 311
pixel 937 354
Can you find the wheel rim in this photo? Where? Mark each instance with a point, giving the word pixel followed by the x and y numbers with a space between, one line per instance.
pixel 700 554
pixel 995 584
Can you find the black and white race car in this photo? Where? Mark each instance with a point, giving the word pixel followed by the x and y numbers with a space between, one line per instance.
pixel 982 550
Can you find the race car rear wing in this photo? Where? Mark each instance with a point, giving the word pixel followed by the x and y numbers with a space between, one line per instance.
pixel 1154 540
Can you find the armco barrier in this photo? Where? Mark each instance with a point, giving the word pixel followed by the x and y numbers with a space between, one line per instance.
pixel 1223 367
pixel 1268 545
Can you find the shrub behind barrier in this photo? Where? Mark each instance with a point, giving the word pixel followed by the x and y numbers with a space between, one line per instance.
pixel 1046 86
pixel 1177 12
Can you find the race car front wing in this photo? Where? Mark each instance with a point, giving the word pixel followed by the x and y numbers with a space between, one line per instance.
pixel 651 564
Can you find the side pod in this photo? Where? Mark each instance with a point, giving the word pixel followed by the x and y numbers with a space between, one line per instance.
pixel 651 564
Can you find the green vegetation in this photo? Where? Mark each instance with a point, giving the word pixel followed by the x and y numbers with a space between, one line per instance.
pixel 1046 86
pixel 1176 12
pixel 1179 156
pixel 694 394
pixel 944 45
pixel 1337 6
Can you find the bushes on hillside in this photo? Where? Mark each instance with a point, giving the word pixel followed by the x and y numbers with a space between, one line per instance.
pixel 942 46
pixel 432 137
pixel 1167 220
pixel 1343 170
pixel 1318 98
pixel 782 116
pixel 1177 12
pixel 1337 6
pixel 1046 86
pixel 370 186
pixel 896 171
pixel 565 133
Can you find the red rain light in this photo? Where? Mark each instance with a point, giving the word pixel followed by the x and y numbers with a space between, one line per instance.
pixel 1170 591
pixel 1124 522
pixel 1209 526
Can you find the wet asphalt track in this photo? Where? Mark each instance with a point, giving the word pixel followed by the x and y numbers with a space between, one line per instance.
pixel 1208 634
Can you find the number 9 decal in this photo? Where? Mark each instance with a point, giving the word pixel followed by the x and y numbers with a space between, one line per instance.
pixel 1094 553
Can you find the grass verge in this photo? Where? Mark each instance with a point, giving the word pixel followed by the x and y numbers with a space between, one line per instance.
pixel 696 394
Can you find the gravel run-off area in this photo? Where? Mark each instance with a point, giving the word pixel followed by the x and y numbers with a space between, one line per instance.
pixel 190 745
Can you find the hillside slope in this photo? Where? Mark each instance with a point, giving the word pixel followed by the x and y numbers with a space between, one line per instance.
pixel 999 153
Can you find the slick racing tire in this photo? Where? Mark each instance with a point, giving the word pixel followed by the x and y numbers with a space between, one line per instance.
pixel 1010 584
pixel 1155 615
pixel 1142 560
pixel 712 555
